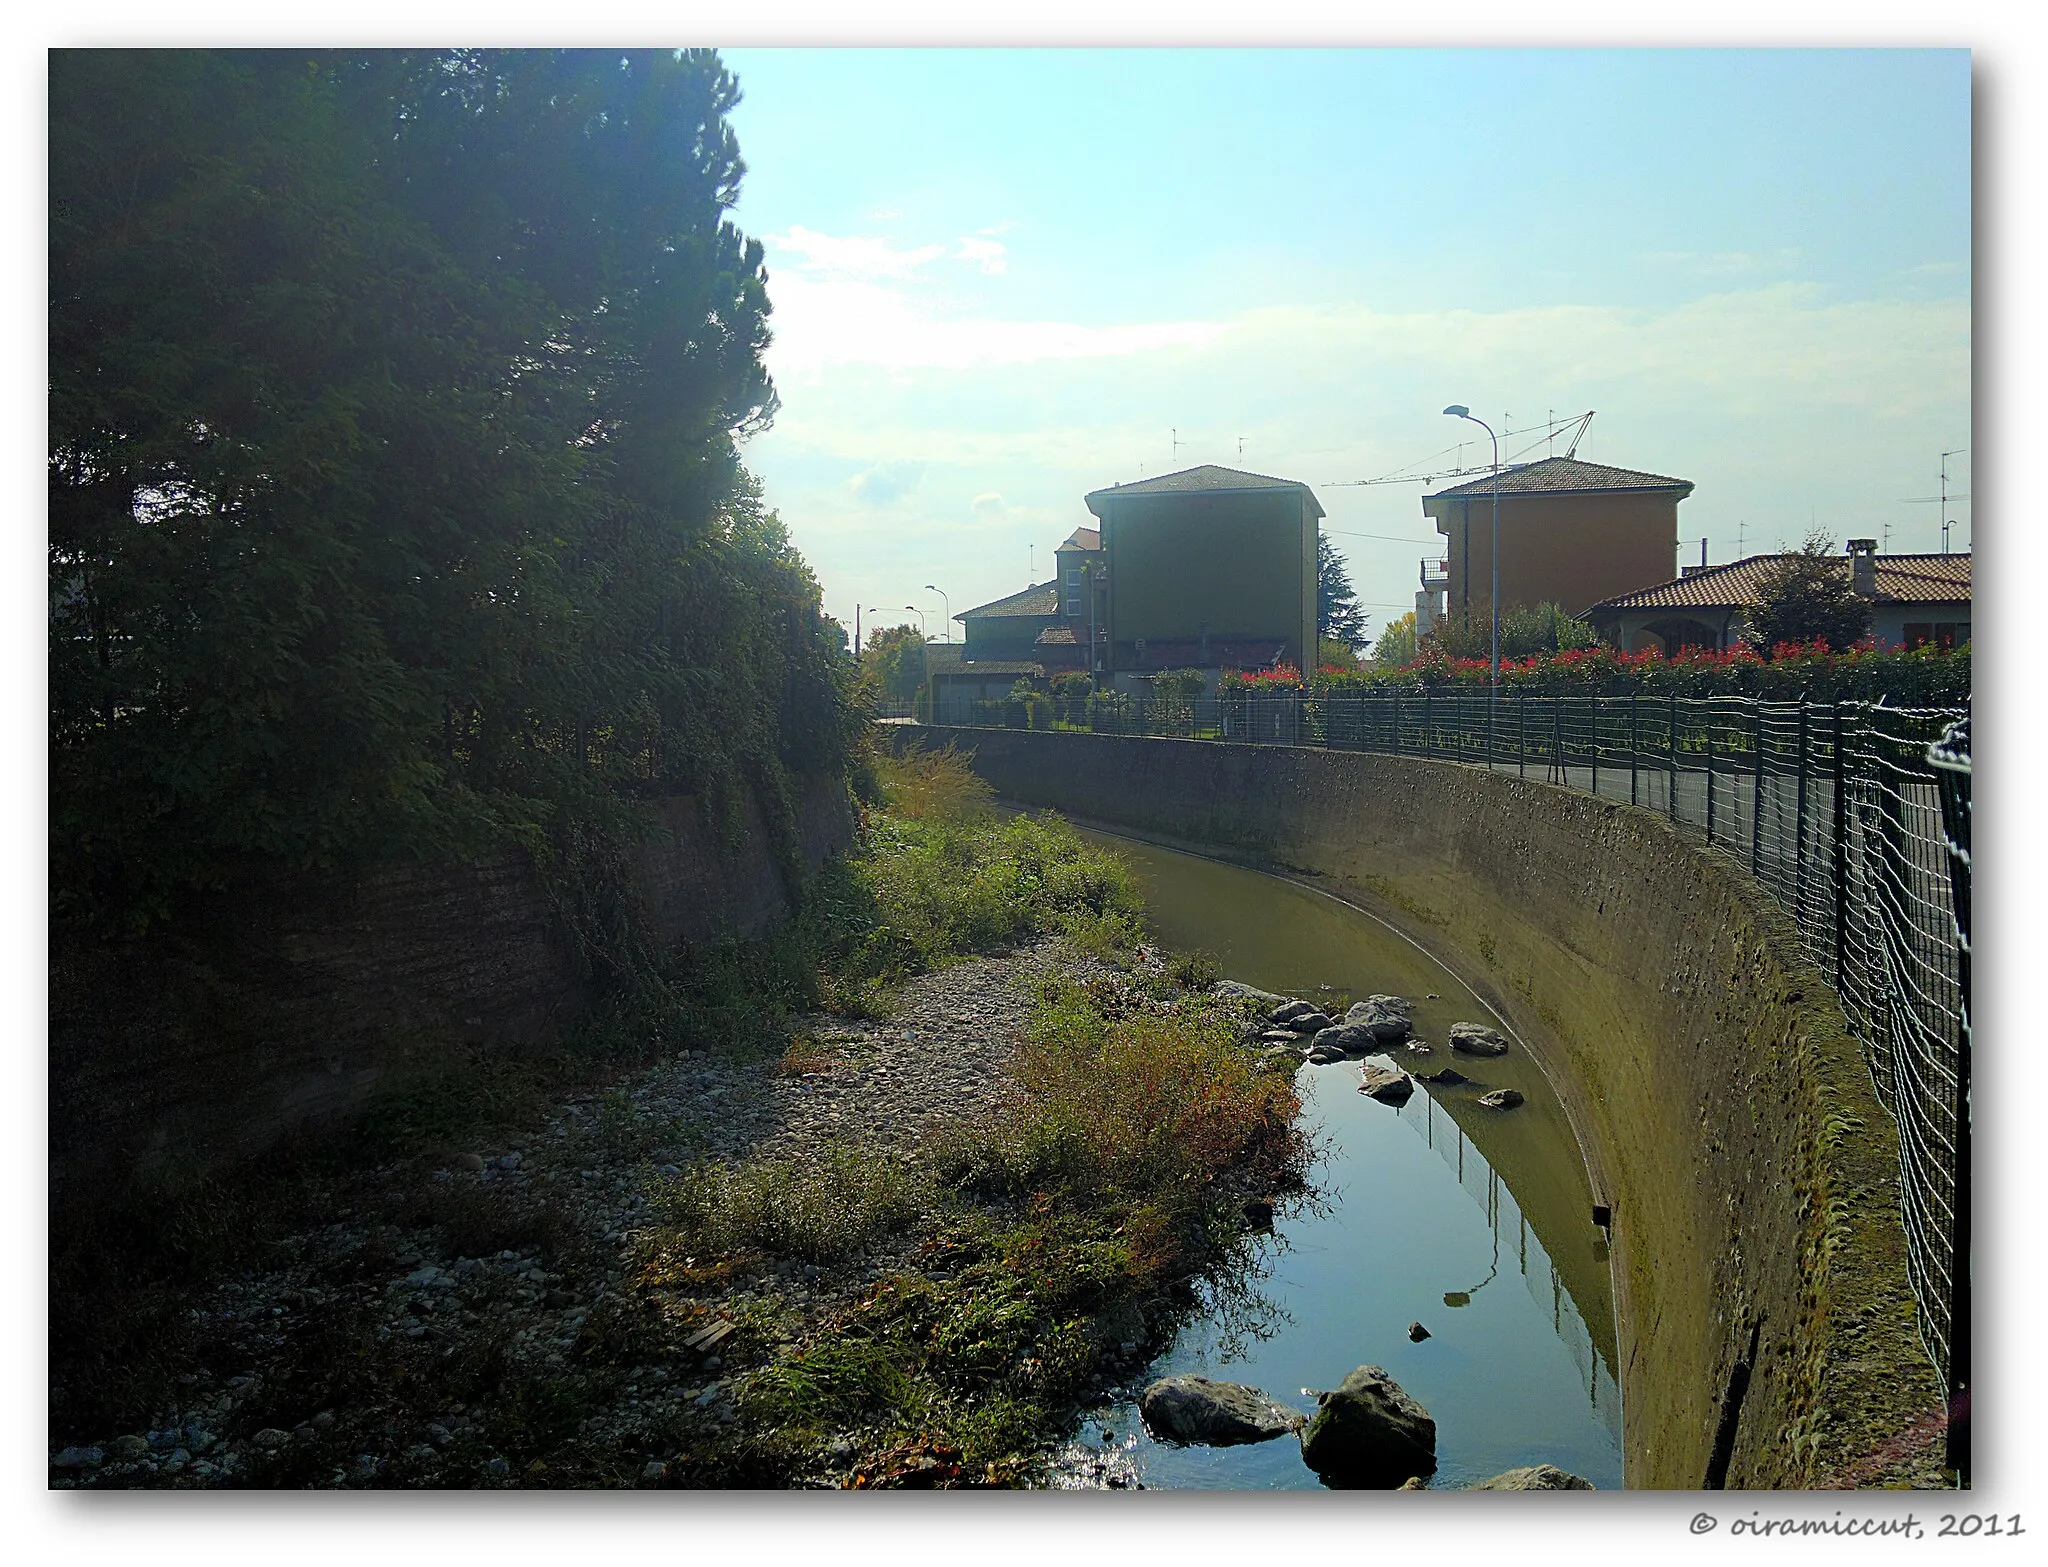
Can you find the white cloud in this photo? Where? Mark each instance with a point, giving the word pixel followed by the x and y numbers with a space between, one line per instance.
pixel 885 482
pixel 989 506
pixel 989 254
pixel 850 256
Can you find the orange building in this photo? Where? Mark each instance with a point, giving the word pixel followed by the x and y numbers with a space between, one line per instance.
pixel 1572 533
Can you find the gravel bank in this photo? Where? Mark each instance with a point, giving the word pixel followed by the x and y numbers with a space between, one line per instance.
pixel 456 1316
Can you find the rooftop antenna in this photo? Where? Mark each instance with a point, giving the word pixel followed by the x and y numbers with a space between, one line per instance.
pixel 1240 446
pixel 1944 497
pixel 1176 444
pixel 1550 439
pixel 1034 565
pixel 1741 531
pixel 1585 424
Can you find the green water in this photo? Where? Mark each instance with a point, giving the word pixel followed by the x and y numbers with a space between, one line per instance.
pixel 1474 1222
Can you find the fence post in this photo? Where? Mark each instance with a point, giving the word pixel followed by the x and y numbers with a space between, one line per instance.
pixel 1671 793
pixel 1756 793
pixel 1521 734
pixel 1394 722
pixel 1841 852
pixel 1593 732
pixel 1799 825
pixel 1635 739
pixel 1710 771
pixel 1428 723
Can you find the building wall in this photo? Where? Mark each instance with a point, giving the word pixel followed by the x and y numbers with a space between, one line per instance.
pixel 1572 550
pixel 1243 562
pixel 1726 1113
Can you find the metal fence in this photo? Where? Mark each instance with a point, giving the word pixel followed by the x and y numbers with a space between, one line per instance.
pixel 1837 809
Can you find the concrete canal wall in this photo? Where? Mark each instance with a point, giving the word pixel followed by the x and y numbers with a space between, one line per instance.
pixel 1726 1114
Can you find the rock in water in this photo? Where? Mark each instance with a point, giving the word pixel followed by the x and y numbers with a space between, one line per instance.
pixel 1501 1099
pixel 1285 1013
pixel 1388 1085
pixel 1369 1435
pixel 1279 1058
pixel 1222 1414
pixel 1345 1039
pixel 1475 1039
pixel 1417 1333
pixel 1386 1024
pixel 1537 1477
pixel 1444 1077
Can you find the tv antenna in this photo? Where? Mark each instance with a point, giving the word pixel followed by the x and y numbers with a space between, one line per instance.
pixel 1176 444
pixel 1944 497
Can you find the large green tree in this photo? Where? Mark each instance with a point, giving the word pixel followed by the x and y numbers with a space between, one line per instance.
pixel 1338 617
pixel 395 494
pixel 1806 596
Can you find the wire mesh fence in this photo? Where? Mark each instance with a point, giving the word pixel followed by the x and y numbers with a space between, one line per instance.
pixel 1853 816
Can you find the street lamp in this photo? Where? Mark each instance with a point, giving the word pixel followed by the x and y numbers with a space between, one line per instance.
pixel 1459 411
pixel 932 587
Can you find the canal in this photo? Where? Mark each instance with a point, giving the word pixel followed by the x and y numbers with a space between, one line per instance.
pixel 1476 1223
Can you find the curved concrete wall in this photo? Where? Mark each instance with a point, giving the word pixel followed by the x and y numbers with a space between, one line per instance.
pixel 1726 1114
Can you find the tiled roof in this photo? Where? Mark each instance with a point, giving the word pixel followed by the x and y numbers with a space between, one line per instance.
pixel 1207 479
pixel 1058 636
pixel 1041 598
pixel 1901 579
pixel 1565 476
pixel 1082 539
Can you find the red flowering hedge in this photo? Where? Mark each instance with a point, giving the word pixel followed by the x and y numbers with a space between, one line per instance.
pixel 1923 677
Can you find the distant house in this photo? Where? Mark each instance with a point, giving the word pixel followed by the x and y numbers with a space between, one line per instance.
pixel 1572 533
pixel 1914 599
pixel 1209 568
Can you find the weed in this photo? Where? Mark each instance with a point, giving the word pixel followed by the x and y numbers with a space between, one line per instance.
pixel 821 1209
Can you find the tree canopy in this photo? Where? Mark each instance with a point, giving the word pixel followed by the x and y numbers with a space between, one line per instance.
pixel 1807 596
pixel 1338 616
pixel 395 492
pixel 893 661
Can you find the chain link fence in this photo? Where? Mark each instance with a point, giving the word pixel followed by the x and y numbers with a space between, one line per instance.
pixel 1854 816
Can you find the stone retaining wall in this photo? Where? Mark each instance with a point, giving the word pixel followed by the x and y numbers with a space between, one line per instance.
pixel 1726 1114
pixel 292 1000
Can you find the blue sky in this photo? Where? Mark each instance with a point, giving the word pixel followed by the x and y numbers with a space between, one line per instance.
pixel 1004 277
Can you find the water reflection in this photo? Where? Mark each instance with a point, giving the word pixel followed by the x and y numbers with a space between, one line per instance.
pixel 1592 1353
pixel 1511 1377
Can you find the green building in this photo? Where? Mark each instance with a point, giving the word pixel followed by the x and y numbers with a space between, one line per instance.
pixel 1208 569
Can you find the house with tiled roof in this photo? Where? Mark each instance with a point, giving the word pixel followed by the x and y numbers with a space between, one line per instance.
pixel 1572 533
pixel 1914 599
pixel 1209 568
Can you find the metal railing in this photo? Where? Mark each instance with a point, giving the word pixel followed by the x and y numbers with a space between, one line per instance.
pixel 1837 809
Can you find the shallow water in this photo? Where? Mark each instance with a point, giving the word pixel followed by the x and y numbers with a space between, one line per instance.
pixel 1475 1223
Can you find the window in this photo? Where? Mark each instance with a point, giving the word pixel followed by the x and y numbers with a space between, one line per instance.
pixel 1074 606
pixel 1944 634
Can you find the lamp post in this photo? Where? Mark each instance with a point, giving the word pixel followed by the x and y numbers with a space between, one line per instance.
pixel 1459 411
pixel 932 587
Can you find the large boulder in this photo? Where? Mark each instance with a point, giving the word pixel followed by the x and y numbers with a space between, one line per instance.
pixel 1369 1435
pixel 1221 1414
pixel 1389 1085
pixel 1347 1039
pixel 1387 1025
pixel 1501 1099
pixel 1444 1077
pixel 1537 1477
pixel 1287 1011
pixel 1281 1059
pixel 1234 990
pixel 1396 1004
pixel 1476 1039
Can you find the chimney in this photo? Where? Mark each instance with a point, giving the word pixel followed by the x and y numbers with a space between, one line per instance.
pixel 1863 568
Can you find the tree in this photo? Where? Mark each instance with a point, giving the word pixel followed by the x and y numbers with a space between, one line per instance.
pixel 1525 631
pixel 1807 596
pixel 1338 616
pixel 894 661
pixel 394 485
pixel 1397 647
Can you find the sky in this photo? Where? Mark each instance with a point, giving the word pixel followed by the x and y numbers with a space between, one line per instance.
pixel 1004 278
